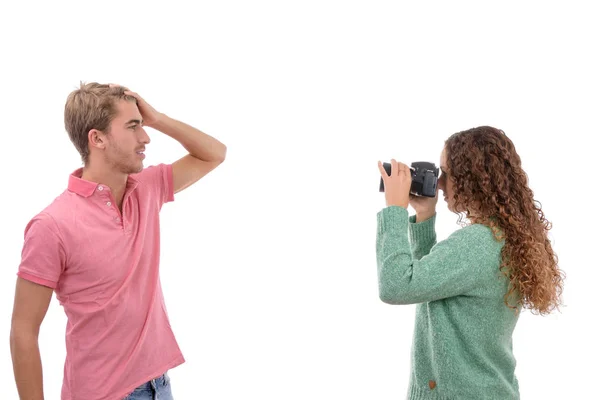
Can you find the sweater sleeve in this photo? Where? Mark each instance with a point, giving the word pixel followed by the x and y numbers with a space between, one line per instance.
pixel 453 266
pixel 422 236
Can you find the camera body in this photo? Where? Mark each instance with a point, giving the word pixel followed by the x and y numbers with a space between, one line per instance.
pixel 424 177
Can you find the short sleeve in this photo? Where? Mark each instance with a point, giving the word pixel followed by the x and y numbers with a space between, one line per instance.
pixel 43 257
pixel 159 181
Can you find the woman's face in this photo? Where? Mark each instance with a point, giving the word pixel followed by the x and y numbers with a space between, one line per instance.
pixel 444 182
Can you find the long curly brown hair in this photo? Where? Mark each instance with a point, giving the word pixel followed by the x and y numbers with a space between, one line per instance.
pixel 491 188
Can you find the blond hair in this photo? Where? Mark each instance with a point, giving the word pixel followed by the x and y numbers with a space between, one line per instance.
pixel 92 106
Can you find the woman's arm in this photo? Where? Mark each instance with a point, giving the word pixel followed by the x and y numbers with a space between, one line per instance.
pixel 422 235
pixel 467 259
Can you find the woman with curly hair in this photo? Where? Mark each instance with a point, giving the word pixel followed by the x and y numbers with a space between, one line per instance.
pixel 471 287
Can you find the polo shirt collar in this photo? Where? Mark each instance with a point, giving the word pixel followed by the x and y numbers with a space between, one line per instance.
pixel 86 188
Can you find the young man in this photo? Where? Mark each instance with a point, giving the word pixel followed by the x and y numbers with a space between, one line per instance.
pixel 97 247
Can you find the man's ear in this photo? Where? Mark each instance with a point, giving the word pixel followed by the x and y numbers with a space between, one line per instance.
pixel 97 138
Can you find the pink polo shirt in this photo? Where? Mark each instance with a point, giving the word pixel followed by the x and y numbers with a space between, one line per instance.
pixel 104 268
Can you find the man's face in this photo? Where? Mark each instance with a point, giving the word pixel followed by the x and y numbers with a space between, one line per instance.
pixel 127 140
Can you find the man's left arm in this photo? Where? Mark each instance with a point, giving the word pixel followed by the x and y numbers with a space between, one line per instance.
pixel 205 152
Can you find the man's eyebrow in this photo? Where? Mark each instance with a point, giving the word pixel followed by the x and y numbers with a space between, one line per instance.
pixel 134 121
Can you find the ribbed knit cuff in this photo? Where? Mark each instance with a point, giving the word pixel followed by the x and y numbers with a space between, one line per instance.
pixel 421 232
pixel 392 217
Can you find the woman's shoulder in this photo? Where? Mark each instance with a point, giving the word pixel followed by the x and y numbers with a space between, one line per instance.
pixel 477 237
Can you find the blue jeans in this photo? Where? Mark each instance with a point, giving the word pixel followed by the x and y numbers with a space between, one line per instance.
pixel 155 389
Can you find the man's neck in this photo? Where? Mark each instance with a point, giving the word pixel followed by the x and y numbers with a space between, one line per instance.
pixel 115 181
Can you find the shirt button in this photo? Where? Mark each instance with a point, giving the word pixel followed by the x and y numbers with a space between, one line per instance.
pixel 100 188
pixel 109 204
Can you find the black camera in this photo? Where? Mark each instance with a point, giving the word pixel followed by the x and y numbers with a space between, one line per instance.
pixel 424 178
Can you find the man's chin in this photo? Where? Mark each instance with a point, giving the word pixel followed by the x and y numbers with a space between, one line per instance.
pixel 139 168
pixel 135 168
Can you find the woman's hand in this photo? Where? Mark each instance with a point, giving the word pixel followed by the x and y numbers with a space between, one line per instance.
pixel 424 206
pixel 397 185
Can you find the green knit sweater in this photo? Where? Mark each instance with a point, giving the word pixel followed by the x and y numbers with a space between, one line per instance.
pixel 462 343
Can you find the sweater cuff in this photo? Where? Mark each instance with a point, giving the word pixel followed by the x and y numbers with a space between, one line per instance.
pixel 392 217
pixel 420 232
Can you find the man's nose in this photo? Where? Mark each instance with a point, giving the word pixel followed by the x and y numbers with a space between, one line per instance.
pixel 145 137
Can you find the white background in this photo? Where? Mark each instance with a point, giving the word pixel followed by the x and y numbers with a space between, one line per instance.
pixel 268 263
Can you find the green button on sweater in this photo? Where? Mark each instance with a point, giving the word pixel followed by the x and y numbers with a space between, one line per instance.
pixel 462 344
